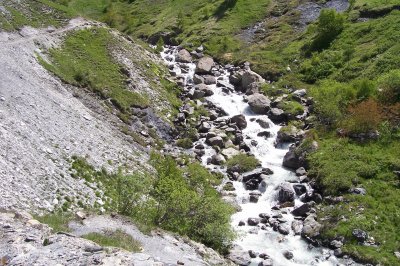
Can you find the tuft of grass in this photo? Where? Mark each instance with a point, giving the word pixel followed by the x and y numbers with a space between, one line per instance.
pixel 185 143
pixel 58 221
pixel 117 238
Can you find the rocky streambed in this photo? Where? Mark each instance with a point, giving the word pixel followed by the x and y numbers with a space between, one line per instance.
pixel 276 217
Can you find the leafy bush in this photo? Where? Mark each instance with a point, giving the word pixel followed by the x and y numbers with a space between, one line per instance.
pixel 363 117
pixel 389 88
pixel 185 143
pixel 243 161
pixel 330 25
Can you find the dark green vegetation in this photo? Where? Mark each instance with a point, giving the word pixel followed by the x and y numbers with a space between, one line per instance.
pixel 116 238
pixel 179 199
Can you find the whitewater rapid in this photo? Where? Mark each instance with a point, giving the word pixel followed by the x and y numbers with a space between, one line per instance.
pixel 265 241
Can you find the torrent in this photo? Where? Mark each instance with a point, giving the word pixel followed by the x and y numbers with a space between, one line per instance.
pixel 268 233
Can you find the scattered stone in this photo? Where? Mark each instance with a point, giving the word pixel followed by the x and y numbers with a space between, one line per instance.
pixel 265 134
pixel 198 79
pixel 311 227
pixel 336 244
pixel 299 189
pixel 204 127
pixel 253 254
pixel 297 226
pixel 218 159
pixel 250 77
pixel 253 221
pixel 216 141
pixel 80 215
pixel 210 80
pixel 288 254
pixel 284 229
pixel 277 115
pixel 358 191
pixel 338 253
pixel 242 223
pixel 360 235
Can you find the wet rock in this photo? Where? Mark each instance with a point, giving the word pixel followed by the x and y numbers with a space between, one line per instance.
pixel 253 88
pixel 254 197
pixel 297 226
pixel 216 141
pixel 285 193
pixel 204 65
pixel 299 189
pixel 196 94
pixel 277 115
pixel 250 77
pixel 360 235
pixel 335 244
pixel 242 223
pixel 218 159
pixel 204 89
pixel 236 78
pixel 302 210
pixel 253 254
pixel 312 196
pixel 266 262
pixel 254 143
pixel 283 229
pixel 198 79
pixel 183 56
pixel 240 257
pixel 301 171
pixel 263 123
pixel 289 134
pixel 204 127
pixel 259 103
pixel 210 80
pixel 239 120
pixel 288 254
pixel 265 134
pixel 291 160
pixel 253 221
pixel 311 227
pixel 338 253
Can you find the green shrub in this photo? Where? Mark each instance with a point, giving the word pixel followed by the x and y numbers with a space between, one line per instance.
pixel 244 161
pixel 389 88
pixel 58 221
pixel 292 108
pixel 330 25
pixel 185 143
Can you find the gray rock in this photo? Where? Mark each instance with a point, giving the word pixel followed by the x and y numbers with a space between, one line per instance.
pixel 360 235
pixel 259 103
pixel 283 229
pixel 230 152
pixel 209 80
pixel 297 226
pixel 263 123
pixel 198 79
pixel 311 227
pixel 204 89
pixel 288 254
pixel 218 159
pixel 253 221
pixel 196 94
pixel 239 120
pixel 289 134
pixel 216 141
pixel 250 77
pixel 301 171
pixel 336 244
pixel 299 189
pixel 204 65
pixel 204 127
pixel 285 193
pixel 277 115
pixel 183 56
pixel 266 262
pixel 358 191
pixel 302 210
pixel 240 258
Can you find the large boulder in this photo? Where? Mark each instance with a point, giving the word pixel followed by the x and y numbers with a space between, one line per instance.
pixel 277 115
pixel 239 120
pixel 289 134
pixel 302 210
pixel 250 77
pixel 218 159
pixel 216 141
pixel 184 56
pixel 204 65
pixel 259 103
pixel 311 227
pixel 285 193
pixel 204 89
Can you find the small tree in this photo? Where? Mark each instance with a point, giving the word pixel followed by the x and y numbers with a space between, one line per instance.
pixel 330 25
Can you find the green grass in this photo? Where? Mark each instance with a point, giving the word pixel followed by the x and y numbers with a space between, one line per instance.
pixel 340 164
pixel 89 64
pixel 58 221
pixel 244 161
pixel 117 238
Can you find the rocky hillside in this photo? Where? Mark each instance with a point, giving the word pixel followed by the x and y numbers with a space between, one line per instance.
pixel 93 121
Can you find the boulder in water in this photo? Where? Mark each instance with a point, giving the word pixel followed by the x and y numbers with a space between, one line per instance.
pixel 204 65
pixel 285 193
pixel 302 210
pixel 239 120
pixel 311 227
pixel 259 103
pixel 250 77
pixel 183 56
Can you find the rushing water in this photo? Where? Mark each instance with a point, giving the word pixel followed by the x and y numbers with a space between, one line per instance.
pixel 250 238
